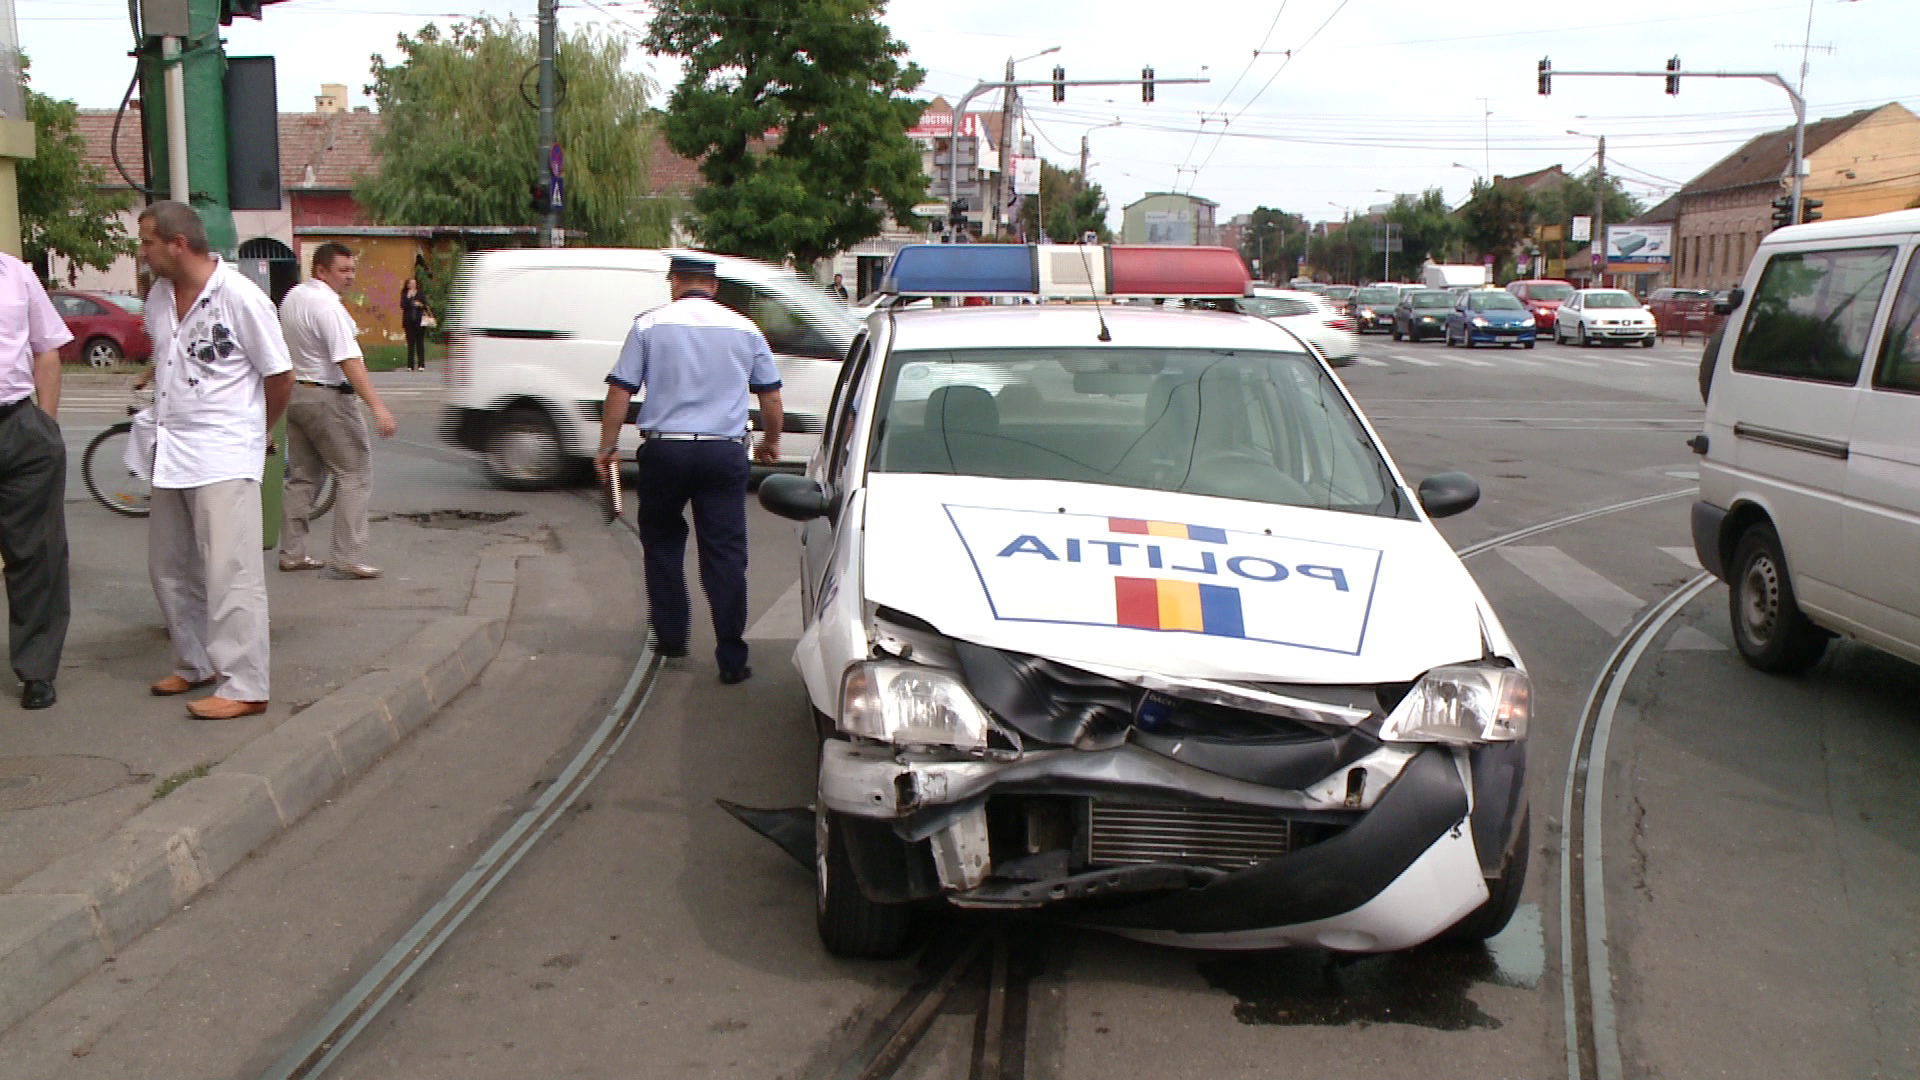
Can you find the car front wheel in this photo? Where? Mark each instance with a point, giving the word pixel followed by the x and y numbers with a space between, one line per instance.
pixel 851 925
pixel 1768 626
pixel 103 352
pixel 1503 895
pixel 524 452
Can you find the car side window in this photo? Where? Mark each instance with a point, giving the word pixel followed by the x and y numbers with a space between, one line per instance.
pixel 846 421
pixel 1899 364
pixel 73 305
pixel 788 332
pixel 1811 313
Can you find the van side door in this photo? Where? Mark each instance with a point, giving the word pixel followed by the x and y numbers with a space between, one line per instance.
pixel 808 355
pixel 1882 517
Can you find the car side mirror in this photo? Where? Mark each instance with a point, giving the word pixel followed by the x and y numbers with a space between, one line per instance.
pixel 795 497
pixel 1441 495
pixel 1735 297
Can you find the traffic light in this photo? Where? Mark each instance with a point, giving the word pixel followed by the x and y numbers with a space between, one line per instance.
pixel 1673 77
pixel 1810 209
pixel 1783 211
pixel 1146 84
pixel 1059 83
pixel 540 195
pixel 957 215
pixel 1546 76
pixel 232 9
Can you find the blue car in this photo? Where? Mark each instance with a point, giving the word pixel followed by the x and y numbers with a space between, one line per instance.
pixel 1493 316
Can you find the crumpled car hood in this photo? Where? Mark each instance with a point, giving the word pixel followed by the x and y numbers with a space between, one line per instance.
pixel 1181 585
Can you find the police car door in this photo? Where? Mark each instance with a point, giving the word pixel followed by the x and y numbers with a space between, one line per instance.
pixel 832 547
pixel 831 468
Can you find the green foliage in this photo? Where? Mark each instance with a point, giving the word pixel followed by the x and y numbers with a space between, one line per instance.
pixel 1069 211
pixel 63 210
pixel 461 146
pixel 1558 204
pixel 1428 230
pixel 795 109
pixel 1496 217
pixel 1277 240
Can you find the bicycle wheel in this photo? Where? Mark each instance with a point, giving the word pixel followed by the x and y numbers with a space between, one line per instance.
pixel 103 469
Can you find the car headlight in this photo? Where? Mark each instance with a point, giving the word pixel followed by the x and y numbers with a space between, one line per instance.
pixel 1367 311
pixel 908 703
pixel 1463 703
pixel 1478 321
pixel 1526 322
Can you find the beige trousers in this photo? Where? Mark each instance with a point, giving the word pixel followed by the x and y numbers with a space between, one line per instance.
pixel 203 554
pixel 326 432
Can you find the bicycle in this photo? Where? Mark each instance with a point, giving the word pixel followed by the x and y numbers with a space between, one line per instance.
pixel 126 492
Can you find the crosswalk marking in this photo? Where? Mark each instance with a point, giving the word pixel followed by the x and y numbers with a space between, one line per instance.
pixel 781 622
pixel 1420 361
pixel 1687 639
pixel 1457 358
pixel 1685 555
pixel 1607 604
pixel 1368 361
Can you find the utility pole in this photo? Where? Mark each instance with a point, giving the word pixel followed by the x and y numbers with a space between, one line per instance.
pixel 1010 101
pixel 551 219
pixel 1600 212
pixel 1081 184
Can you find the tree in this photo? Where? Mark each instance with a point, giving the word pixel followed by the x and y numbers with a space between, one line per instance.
pixel 1559 203
pixel 1428 230
pixel 64 207
pixel 1496 218
pixel 1069 209
pixel 460 146
pixel 1276 240
pixel 795 110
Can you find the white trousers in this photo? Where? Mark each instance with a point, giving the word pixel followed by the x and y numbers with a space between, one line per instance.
pixel 203 554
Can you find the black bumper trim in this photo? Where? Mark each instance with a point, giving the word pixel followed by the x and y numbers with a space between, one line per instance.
pixel 1709 522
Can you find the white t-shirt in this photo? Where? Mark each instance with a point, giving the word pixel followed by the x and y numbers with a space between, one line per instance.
pixel 319 332
pixel 210 400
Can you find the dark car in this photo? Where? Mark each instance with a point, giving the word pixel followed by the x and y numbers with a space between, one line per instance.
pixel 1684 311
pixel 107 328
pixel 1372 308
pixel 1494 316
pixel 1340 296
pixel 1421 313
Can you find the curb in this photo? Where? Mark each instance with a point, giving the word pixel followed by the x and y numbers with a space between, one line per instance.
pixel 59 925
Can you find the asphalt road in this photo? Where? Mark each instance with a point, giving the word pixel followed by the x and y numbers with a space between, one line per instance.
pixel 1760 839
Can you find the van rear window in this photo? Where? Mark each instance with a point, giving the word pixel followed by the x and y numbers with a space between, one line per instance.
pixel 1811 312
pixel 1900 347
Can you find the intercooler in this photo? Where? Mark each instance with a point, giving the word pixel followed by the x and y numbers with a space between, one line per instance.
pixel 1121 834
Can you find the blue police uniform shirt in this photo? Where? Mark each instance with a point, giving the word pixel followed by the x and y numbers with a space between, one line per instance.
pixel 696 361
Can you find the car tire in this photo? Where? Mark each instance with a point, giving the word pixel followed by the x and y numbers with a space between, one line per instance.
pixel 1396 331
pixel 1526 344
pixel 851 925
pixel 1771 632
pixel 1646 343
pixel 524 452
pixel 1503 895
pixel 103 352
pixel 1580 336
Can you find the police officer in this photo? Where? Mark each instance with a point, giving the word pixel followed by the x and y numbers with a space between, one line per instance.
pixel 696 362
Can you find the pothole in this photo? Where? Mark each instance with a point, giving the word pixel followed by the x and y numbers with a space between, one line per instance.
pixel 457 519
pixel 29 782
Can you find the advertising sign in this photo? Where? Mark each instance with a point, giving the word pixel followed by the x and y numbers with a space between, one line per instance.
pixel 1640 244
pixel 940 125
pixel 1582 229
pixel 1026 176
pixel 1170 227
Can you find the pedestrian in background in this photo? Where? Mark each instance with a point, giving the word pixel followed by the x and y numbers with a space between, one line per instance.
pixel 33 481
pixel 838 290
pixel 696 361
pixel 413 315
pixel 325 431
pixel 221 380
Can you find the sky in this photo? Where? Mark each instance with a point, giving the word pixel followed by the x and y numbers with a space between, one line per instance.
pixel 1319 107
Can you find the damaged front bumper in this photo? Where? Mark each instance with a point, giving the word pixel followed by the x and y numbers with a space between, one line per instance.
pixel 1384 853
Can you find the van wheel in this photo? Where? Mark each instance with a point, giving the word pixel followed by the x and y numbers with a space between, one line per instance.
pixel 1768 626
pixel 1503 895
pixel 524 451
pixel 850 924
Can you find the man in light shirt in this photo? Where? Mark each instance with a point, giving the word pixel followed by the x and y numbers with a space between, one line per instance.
pixel 221 380
pixel 325 431
pixel 33 480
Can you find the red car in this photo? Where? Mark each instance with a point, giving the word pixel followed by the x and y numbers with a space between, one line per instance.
pixel 107 328
pixel 1543 297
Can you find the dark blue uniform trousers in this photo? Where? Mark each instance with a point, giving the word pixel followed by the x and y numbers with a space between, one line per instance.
pixel 713 477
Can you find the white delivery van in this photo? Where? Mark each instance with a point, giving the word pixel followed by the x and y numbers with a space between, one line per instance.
pixel 1809 501
pixel 533 332
pixel 1455 275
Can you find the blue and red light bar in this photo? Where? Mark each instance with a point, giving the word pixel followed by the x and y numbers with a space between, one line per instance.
pixel 1063 271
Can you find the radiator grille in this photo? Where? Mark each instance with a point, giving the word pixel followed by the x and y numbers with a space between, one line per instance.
pixel 1128 833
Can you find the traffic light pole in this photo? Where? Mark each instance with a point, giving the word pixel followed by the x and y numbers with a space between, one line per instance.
pixel 960 112
pixel 1673 76
pixel 190 148
pixel 551 218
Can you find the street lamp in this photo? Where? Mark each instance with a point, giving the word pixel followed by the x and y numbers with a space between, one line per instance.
pixel 1596 241
pixel 1115 122
pixel 1010 102
pixel 1346 237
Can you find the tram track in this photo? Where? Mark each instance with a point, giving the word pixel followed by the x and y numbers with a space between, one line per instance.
pixel 988 972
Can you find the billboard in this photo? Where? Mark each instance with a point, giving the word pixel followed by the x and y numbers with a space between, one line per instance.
pixel 1640 244
pixel 1169 227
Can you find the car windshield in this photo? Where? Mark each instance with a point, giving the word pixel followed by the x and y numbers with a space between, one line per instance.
pixel 1273 307
pixel 1549 292
pixel 1338 292
pixel 1263 426
pixel 1377 296
pixel 128 303
pixel 1432 298
pixel 1611 298
pixel 1493 301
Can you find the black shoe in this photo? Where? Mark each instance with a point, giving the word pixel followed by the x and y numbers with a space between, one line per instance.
pixel 37 694
pixel 738 675
pixel 670 654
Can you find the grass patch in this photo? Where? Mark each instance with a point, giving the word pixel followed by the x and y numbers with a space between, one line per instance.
pixel 394 357
pixel 172 783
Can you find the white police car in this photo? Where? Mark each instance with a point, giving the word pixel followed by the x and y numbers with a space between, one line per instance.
pixel 1123 612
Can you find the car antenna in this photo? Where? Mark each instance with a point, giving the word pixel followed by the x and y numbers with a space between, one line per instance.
pixel 1104 335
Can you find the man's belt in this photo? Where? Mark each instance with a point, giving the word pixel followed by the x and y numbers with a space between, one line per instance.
pixel 686 436
pixel 341 387
pixel 12 407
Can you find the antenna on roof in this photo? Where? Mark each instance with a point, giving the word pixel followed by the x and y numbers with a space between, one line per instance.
pixel 1104 334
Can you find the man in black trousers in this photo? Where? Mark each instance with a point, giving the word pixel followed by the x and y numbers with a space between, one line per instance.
pixel 33 480
pixel 697 362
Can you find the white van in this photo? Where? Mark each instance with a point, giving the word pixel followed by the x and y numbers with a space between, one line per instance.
pixel 1810 471
pixel 534 331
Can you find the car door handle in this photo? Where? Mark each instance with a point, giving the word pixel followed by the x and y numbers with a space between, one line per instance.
pixel 1790 440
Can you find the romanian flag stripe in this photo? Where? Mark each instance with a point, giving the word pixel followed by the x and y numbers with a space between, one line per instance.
pixel 1162 604
pixel 1170 529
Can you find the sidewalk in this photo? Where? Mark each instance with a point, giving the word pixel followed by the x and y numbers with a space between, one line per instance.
pixel 117 807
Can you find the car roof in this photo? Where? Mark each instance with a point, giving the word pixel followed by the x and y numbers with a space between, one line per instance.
pixel 654 259
pixel 1068 325
pixel 1897 221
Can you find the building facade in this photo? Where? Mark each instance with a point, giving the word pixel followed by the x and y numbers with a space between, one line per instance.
pixel 1164 217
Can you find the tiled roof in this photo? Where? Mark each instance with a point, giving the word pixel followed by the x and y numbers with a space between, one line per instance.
pixel 96 127
pixel 1764 159
pixel 1667 210
pixel 667 172
pixel 1534 180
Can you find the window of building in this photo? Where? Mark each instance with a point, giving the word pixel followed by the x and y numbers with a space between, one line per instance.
pixel 1811 312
